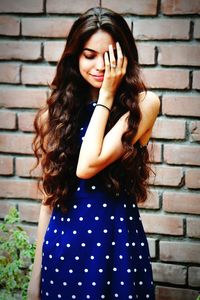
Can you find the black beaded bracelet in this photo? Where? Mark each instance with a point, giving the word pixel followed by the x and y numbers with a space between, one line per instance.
pixel 99 104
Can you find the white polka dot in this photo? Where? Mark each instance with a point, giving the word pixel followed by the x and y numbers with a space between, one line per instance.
pixel 133 244
pixel 94 104
pixel 121 219
pixel 62 232
pixel 76 257
pixel 85 270
pixel 124 205
pixel 87 296
pixel 79 283
pixel 59 296
pixel 55 231
pixel 122 283
pixel 73 296
pixel 68 245
pixel 105 230
pixel 50 256
pixel 102 296
pixel 64 283
pixel 74 232
pixel 131 218
pixel 62 258
pixel 133 205
pixel 42 279
pixel 81 128
pixel 100 270
pixel 88 205
pixel 92 257
pixel 145 270
pixel 78 189
pixel 62 219
pixel 54 217
pixel 121 256
pixel 127 244
pixel 56 270
pixel 120 230
pixel 140 256
pixel 89 231
pixel 75 206
pixel 93 187
pixel 45 268
pixel 128 270
pixel 51 281
pixel 151 282
pixel 46 242
pixel 70 271
pixel 93 283
pixel 83 245
pixel 81 219
pixel 104 205
pixel 47 294
pixel 82 138
pixel 112 217
pixel 98 244
pixel 135 270
pixel 68 219
pixel 96 218
pixel 142 244
pixel 113 243
pixel 130 297
pixel 57 244
pixel 147 295
pixel 107 256
pixel 114 269
pixel 108 282
pixel 116 295
pixel 136 231
pixel 140 283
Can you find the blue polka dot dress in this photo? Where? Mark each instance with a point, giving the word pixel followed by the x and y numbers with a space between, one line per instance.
pixel 98 249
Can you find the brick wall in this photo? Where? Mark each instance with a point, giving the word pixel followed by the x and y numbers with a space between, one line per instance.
pixel 167 33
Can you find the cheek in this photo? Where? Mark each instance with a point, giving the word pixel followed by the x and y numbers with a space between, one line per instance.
pixel 84 66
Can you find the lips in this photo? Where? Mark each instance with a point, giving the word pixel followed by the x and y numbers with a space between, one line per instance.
pixel 98 77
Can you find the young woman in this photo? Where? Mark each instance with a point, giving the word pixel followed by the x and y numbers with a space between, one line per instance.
pixel 91 143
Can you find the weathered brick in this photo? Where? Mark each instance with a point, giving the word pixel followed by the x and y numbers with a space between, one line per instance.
pixel 72 7
pixel 179 7
pixel 152 246
pixel 47 27
pixel 192 178
pixel 24 165
pixel 146 54
pixel 197 29
pixel 152 201
pixel 181 105
pixel 53 50
pixel 9 25
pixel 169 273
pixel 16 143
pixel 170 176
pixel 160 224
pixel 155 152
pixel 166 128
pixel 181 154
pixel 9 72
pixel 194 130
pixel 166 78
pixel 23 50
pixel 31 231
pixel 179 55
pixel 7 119
pixel 22 97
pixel 196 80
pixel 132 6
pixel 29 212
pixel 21 6
pixel 6 165
pixel 25 121
pixel 180 251
pixel 194 276
pixel 11 188
pixel 193 227
pixel 39 75
pixel 188 203
pixel 171 293
pixel 168 29
pixel 5 206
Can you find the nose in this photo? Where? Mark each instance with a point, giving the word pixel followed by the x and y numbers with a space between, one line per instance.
pixel 100 65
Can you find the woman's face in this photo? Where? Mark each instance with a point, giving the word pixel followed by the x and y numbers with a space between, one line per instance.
pixel 91 60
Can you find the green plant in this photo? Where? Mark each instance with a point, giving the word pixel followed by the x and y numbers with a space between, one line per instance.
pixel 16 258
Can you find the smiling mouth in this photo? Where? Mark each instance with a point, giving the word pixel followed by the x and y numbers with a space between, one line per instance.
pixel 98 77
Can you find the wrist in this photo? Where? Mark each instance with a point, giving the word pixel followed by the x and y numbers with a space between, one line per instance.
pixel 105 99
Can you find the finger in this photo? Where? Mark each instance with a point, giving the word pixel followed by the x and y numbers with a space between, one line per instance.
pixel 120 57
pixel 112 57
pixel 125 64
pixel 107 62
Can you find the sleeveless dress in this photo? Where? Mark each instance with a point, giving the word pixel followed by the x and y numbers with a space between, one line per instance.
pixel 98 249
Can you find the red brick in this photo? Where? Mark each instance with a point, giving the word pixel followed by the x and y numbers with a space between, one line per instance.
pixel 23 50
pixel 165 128
pixel 170 293
pixel 193 227
pixel 53 50
pixel 39 75
pixel 9 25
pixel 194 130
pixel 29 212
pixel 21 6
pixel 72 7
pixel 24 165
pixel 169 273
pixel 152 246
pixel 194 276
pixel 155 152
pixel 196 80
pixel 47 27
pixel 11 188
pixel 186 252
pixel 181 154
pixel 7 119
pixel 21 97
pixel 179 55
pixel 5 206
pixel 197 29
pixel 25 121
pixel 180 7
pixel 192 178
pixel 16 143
pixel 188 203
pixel 31 231
pixel 9 72
pixel 167 176
pixel 146 54
pixel 160 224
pixel 181 105
pixel 168 29
pixel 152 201
pixel 6 165
pixel 166 78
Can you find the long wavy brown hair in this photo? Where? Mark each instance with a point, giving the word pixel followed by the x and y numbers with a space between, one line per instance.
pixel 56 143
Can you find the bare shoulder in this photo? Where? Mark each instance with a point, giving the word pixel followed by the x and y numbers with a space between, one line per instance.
pixel 149 101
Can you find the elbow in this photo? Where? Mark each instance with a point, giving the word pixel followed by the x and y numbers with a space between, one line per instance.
pixel 84 173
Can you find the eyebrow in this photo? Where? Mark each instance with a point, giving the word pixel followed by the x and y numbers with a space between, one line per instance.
pixel 91 50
